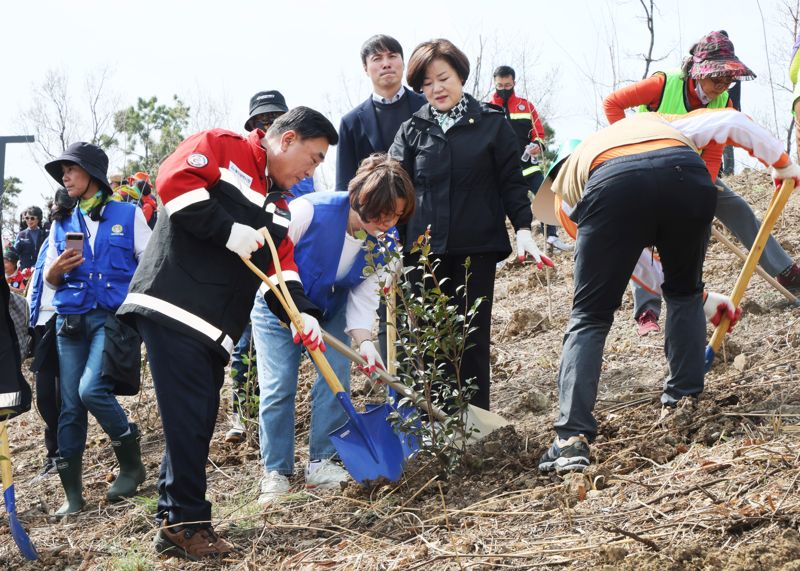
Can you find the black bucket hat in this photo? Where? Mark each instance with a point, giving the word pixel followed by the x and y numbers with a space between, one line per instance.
pixel 265 102
pixel 89 157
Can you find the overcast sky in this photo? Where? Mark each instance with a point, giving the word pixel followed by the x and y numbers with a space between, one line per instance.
pixel 223 52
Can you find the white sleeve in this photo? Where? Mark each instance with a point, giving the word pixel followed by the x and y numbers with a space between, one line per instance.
pixel 141 233
pixel 362 304
pixel 728 126
pixel 51 256
pixel 302 212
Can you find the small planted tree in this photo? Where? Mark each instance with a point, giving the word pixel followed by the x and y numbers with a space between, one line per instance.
pixel 433 329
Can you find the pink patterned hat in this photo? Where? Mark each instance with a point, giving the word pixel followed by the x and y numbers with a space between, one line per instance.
pixel 713 56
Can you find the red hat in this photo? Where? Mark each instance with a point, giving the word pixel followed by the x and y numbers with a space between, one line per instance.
pixel 713 56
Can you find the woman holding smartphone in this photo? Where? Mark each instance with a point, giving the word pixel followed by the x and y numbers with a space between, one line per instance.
pixel 92 255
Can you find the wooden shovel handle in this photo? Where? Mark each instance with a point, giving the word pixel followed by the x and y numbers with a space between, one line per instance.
pixel 285 299
pixel 5 456
pixel 775 208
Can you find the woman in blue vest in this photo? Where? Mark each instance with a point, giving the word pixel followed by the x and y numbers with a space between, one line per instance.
pixel 90 281
pixel 331 258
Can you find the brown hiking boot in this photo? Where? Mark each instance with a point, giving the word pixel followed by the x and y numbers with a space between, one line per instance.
pixel 193 543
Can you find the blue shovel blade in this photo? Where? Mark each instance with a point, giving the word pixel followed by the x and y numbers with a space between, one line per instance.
pixel 709 358
pixel 409 441
pixel 17 531
pixel 368 446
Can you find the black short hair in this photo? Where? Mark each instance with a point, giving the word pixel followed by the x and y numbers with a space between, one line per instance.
pixel 380 43
pixel 426 52
pixel 34 211
pixel 504 71
pixel 307 123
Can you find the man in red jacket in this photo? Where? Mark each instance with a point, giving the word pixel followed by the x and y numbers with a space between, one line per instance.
pixel 530 133
pixel 191 295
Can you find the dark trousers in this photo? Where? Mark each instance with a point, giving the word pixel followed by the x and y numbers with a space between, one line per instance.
pixel 475 362
pixel 665 199
pixel 48 399
pixel 187 376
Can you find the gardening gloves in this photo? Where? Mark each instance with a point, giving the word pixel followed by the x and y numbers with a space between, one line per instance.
pixel 311 336
pixel 526 246
pixel 370 354
pixel 244 240
pixel 790 171
pixel 716 305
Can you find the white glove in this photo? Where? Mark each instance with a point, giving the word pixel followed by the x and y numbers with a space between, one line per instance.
pixel 371 355
pixel 790 171
pixel 244 240
pixel 717 304
pixel 311 335
pixel 531 152
pixel 526 245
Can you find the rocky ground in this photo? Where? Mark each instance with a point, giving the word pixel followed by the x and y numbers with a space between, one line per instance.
pixel 713 486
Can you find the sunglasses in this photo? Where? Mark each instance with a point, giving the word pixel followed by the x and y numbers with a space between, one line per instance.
pixel 723 81
pixel 31 218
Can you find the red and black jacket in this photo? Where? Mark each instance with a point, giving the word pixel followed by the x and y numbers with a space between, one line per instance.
pixel 187 279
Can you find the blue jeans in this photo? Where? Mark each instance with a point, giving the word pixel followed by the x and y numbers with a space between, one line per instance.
pixel 80 358
pixel 278 362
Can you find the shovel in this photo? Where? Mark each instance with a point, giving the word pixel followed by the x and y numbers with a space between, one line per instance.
pixel 366 443
pixel 478 423
pixel 774 210
pixel 17 531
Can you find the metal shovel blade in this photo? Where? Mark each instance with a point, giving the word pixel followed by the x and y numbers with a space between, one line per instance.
pixel 17 531
pixel 368 446
pixel 481 422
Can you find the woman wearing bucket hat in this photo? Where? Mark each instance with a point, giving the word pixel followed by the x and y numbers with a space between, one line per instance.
pixel 92 255
pixel 702 82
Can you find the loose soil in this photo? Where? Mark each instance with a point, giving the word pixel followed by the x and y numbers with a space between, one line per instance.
pixel 713 485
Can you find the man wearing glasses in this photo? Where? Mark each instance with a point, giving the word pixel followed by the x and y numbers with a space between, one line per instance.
pixel 265 108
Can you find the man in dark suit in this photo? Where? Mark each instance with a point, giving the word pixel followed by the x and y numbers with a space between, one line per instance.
pixel 371 126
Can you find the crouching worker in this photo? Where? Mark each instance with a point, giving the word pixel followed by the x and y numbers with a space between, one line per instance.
pixel 335 233
pixel 92 254
pixel 645 164
pixel 192 295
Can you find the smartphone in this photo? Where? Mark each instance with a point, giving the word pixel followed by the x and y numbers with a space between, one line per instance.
pixel 75 241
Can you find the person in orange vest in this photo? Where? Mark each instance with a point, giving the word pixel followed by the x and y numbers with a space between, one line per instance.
pixel 524 118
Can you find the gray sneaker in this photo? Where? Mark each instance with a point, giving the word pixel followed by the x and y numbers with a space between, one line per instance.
pixel 567 455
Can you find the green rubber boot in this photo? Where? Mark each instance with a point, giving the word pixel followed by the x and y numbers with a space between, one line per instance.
pixel 70 471
pixel 131 469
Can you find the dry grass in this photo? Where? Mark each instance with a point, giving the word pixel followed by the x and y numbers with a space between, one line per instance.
pixel 714 485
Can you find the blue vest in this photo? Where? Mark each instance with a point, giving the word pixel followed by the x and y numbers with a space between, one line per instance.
pixel 318 251
pixel 102 279
pixel 305 186
pixel 38 283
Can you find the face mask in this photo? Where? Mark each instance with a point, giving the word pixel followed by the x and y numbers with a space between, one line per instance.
pixel 505 94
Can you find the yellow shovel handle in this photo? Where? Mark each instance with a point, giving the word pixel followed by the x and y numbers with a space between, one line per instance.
pixel 775 208
pixel 5 456
pixel 285 299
